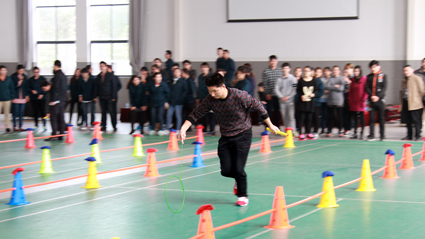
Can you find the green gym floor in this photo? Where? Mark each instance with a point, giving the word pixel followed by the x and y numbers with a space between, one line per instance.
pixel 130 206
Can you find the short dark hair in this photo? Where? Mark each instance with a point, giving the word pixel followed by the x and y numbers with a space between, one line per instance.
pixel 154 66
pixel 35 68
pixel 3 66
pixel 102 62
pixel 318 68
pixel 220 69
pixel 84 70
pixel 307 67
pixel 168 52
pixel 214 80
pixel 155 74
pixel 407 66
pixel 176 69
pixel 327 68
pixel 423 59
pixel 157 59
pixel 205 64
pixel 225 50
pixel 20 66
pixel 374 62
pixel 176 64
pixel 88 67
pixel 109 66
pixel 286 64
pixel 186 61
pixel 272 57
pixel 144 68
pixel 186 71
pixel 360 69
pixel 241 69
pixel 58 63
pixel 336 67
pixel 220 48
pixel 43 83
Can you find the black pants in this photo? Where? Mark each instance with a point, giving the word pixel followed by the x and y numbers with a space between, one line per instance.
pixel 334 116
pixel 114 108
pixel 57 119
pixel 380 107
pixel 305 119
pixel 346 115
pixel 273 105
pixel 357 116
pixel 413 120
pixel 316 119
pixel 38 109
pixel 71 110
pixel 233 153
pixel 141 117
pixel 107 107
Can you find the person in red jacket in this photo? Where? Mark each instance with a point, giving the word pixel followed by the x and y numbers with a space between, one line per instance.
pixel 357 100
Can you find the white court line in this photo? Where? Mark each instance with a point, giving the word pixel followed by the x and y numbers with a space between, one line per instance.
pixel 304 215
pixel 53 209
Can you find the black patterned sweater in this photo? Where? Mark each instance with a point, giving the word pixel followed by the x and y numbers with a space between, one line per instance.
pixel 233 112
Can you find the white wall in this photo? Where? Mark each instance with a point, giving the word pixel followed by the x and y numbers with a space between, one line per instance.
pixel 379 33
pixel 9 33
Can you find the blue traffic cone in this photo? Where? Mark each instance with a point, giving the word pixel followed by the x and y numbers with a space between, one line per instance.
pixel 18 195
pixel 197 160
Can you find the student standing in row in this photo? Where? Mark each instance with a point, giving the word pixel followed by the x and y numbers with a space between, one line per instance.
pixel 285 90
pixel 317 100
pixel 178 91
pixel 106 91
pixel 7 93
pixel 241 82
pixel 357 101
pixel 138 100
pixel 159 94
pixel 376 86
pixel 169 64
pixel 324 99
pixel 20 98
pixel 335 88
pixel 189 100
pixel 306 89
pixel 270 75
pixel 118 88
pixel 74 88
pixel 86 97
pixel 37 97
pixel 202 93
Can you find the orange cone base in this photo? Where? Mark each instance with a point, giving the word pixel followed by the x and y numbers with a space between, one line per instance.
pixel 388 177
pixel 273 227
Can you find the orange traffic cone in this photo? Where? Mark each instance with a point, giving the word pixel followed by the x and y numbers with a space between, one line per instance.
pixel 97 134
pixel 200 134
pixel 423 151
pixel 173 145
pixel 151 170
pixel 265 143
pixel 205 225
pixel 279 218
pixel 407 162
pixel 390 171
pixel 30 144
pixel 69 134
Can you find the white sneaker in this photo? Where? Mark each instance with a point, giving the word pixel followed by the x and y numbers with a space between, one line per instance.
pixel 165 132
pixel 161 133
pixel 84 128
pixel 152 132
pixel 242 202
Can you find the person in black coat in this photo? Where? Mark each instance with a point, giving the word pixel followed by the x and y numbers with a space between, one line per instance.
pixel 37 96
pixel 74 85
pixel 159 95
pixel 106 91
pixel 138 101
pixel 169 64
pixel 178 92
pixel 57 103
pixel 189 100
pixel 21 97
pixel 118 88
pixel 86 96
pixel 7 92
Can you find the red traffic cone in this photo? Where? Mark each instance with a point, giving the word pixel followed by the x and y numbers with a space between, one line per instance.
pixel 265 143
pixel 30 144
pixel 390 171
pixel 205 225
pixel 279 218
pixel 407 162
pixel 200 134
pixel 173 145
pixel 69 134
pixel 151 170
pixel 97 134
pixel 423 151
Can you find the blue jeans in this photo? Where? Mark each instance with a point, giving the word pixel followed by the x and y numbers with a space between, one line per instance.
pixel 157 115
pixel 85 107
pixel 18 111
pixel 178 109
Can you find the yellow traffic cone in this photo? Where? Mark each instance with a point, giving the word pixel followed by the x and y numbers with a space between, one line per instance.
pixel 289 143
pixel 95 151
pixel 138 146
pixel 46 163
pixel 328 199
pixel 366 184
pixel 92 181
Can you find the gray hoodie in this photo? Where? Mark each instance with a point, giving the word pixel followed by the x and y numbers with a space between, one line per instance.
pixel 336 94
pixel 286 87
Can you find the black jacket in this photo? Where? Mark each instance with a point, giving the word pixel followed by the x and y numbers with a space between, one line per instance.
pixel 138 97
pixel 59 87
pixel 158 95
pixel 24 86
pixel 381 86
pixel 190 91
pixel 7 89
pixel 168 67
pixel 86 88
pixel 106 89
pixel 178 92
pixel 74 87
pixel 34 84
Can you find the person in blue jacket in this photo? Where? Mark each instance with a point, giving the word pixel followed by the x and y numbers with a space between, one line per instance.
pixel 178 92
pixel 37 97
pixel 159 94
pixel 86 96
pixel 7 93
pixel 241 81
pixel 138 101
pixel 21 97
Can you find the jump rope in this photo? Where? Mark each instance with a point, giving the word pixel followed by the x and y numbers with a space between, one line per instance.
pixel 181 183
